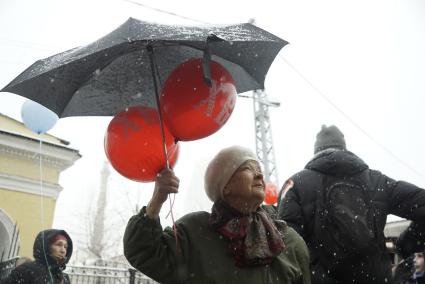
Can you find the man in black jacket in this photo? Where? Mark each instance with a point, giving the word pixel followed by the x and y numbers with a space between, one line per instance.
pixel 340 206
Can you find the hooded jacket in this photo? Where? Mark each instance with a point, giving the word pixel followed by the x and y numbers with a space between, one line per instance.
pixel 44 269
pixel 297 207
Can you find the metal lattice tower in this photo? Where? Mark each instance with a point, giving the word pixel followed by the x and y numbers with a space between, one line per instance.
pixel 263 135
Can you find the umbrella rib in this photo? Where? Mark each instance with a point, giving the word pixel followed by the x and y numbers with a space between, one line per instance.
pixel 162 45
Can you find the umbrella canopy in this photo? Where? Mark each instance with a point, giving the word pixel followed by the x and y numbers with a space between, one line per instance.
pixel 114 72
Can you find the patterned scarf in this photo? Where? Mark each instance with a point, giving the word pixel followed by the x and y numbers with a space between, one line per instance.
pixel 254 238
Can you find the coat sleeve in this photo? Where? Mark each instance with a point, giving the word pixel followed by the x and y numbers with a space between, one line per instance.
pixel 290 209
pixel 408 201
pixel 152 250
pixel 301 256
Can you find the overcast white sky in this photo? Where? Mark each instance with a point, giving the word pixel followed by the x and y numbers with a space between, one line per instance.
pixel 366 57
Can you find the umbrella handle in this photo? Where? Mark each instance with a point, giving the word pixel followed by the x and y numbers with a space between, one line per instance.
pixel 155 84
pixel 154 67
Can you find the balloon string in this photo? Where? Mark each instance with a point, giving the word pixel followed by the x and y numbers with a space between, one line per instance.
pixel 174 223
pixel 42 207
pixel 41 186
pixel 171 205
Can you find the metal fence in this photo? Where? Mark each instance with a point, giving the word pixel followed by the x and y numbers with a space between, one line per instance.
pixel 90 274
pixel 106 275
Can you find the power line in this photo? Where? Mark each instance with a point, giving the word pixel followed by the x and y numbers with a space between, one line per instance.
pixel 26 44
pixel 13 62
pixel 166 12
pixel 326 98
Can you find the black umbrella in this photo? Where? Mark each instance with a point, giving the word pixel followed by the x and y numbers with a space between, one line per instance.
pixel 123 68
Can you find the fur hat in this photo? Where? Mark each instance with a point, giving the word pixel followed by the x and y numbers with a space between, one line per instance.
pixel 329 137
pixel 222 167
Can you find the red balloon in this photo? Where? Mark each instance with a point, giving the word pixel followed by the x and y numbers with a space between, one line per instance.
pixel 134 146
pixel 270 193
pixel 192 109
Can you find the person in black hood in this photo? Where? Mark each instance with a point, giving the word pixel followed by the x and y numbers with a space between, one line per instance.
pixel 52 251
pixel 340 206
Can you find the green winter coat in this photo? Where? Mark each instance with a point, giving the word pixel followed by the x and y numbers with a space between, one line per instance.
pixel 203 257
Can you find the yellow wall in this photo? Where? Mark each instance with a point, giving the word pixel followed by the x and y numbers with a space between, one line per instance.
pixel 25 209
pixel 28 169
pixel 13 126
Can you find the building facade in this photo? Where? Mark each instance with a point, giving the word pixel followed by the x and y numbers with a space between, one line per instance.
pixel 30 166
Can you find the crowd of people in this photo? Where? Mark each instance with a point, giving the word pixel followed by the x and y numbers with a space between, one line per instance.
pixel 327 228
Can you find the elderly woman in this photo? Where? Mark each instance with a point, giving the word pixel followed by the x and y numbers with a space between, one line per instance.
pixel 239 242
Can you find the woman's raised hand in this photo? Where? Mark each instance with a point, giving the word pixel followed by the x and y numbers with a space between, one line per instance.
pixel 166 182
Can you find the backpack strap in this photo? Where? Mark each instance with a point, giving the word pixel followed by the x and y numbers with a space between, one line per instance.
pixel 370 187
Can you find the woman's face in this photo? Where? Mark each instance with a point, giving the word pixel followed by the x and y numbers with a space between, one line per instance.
pixel 419 262
pixel 58 249
pixel 245 189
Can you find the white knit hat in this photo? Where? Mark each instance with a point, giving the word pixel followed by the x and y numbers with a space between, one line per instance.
pixel 222 167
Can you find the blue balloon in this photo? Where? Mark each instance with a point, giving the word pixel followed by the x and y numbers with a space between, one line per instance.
pixel 37 117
